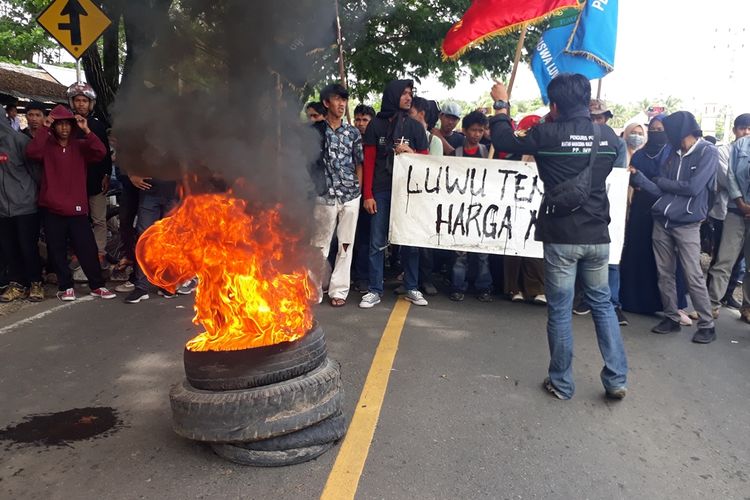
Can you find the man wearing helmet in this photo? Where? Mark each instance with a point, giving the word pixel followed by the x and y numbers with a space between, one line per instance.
pixel 82 98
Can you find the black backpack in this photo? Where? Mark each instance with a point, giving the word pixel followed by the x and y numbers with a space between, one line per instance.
pixel 568 196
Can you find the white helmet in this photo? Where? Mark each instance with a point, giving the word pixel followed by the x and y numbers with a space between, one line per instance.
pixel 84 89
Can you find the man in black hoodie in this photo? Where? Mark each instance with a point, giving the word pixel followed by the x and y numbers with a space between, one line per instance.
pixel 390 133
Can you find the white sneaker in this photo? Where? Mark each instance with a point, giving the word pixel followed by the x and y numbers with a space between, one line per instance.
pixel 125 287
pixel 188 287
pixel 517 297
pixel 369 300
pixel 540 299
pixel 416 298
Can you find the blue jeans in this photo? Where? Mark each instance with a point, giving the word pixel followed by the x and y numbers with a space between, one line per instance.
pixel 738 271
pixel 561 263
pixel 613 278
pixel 151 208
pixel 378 244
pixel 361 266
pixel 483 281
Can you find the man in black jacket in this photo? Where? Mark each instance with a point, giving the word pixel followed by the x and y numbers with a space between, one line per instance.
pixel 82 98
pixel 578 240
pixel 390 133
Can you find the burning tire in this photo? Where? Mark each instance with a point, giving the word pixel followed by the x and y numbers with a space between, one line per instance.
pixel 329 430
pixel 258 413
pixel 243 456
pixel 248 368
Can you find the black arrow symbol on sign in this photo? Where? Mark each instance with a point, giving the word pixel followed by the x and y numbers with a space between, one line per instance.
pixel 74 10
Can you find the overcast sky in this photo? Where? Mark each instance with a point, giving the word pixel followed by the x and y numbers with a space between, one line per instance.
pixel 691 50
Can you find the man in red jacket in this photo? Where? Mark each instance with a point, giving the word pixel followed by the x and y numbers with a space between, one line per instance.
pixel 63 197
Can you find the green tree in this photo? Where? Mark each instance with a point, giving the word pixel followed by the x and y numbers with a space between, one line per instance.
pixel 134 28
pixel 20 36
pixel 382 40
pixel 672 103
pixel 402 38
pixel 526 106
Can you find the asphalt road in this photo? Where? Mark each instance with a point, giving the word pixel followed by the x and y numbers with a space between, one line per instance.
pixel 464 415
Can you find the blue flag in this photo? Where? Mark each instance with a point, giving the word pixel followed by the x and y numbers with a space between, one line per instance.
pixel 585 46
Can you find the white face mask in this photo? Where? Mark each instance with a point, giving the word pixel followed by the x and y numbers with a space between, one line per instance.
pixel 635 140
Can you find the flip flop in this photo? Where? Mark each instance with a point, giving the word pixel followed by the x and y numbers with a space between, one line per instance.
pixel 338 302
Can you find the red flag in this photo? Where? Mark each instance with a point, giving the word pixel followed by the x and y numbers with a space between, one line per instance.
pixel 488 18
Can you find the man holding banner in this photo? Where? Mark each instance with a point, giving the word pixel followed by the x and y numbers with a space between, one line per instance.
pixel 392 132
pixel 574 159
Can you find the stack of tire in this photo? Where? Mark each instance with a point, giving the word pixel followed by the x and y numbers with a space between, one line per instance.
pixel 268 406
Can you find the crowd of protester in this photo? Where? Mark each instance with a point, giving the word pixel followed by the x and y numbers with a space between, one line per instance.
pixel 54 205
pixel 687 197
pixel 682 188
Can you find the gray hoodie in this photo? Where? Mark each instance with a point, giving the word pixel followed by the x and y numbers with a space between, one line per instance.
pixel 19 177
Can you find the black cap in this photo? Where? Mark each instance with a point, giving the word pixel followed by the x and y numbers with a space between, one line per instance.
pixel 333 89
pixel 742 121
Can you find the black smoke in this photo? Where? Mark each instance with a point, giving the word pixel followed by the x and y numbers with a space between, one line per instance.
pixel 217 97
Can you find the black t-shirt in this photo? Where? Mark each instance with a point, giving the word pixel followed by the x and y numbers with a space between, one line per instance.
pixel 385 134
pixel 456 139
pixel 96 171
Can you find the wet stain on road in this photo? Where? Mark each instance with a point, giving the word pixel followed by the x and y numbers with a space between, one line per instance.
pixel 62 428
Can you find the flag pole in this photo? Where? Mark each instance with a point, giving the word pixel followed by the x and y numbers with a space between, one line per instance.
pixel 517 59
pixel 599 89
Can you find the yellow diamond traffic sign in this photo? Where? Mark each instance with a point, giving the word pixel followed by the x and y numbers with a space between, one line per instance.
pixel 76 24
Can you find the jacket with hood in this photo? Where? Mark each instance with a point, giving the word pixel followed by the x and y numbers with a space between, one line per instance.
pixel 19 177
pixel 63 189
pixel 389 127
pixel 683 186
pixel 738 173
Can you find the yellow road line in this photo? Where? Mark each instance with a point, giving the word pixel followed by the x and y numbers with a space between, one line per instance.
pixel 344 477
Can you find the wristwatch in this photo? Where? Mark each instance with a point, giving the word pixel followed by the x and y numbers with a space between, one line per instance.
pixel 500 104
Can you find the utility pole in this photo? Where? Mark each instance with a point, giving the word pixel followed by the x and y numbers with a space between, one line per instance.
pixel 342 66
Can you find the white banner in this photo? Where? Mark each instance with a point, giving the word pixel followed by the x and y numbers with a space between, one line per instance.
pixel 477 205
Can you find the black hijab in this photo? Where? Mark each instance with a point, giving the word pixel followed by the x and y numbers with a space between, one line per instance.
pixel 656 138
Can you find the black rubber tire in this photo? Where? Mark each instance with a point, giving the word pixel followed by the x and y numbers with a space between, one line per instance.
pixel 248 368
pixel 329 430
pixel 243 456
pixel 258 413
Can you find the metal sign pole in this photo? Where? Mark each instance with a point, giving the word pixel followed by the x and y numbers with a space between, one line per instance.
pixel 78 70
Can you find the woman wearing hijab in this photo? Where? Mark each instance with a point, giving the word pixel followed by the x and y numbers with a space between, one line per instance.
pixel 639 290
pixel 635 138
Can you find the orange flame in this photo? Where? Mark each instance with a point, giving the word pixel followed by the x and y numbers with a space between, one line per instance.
pixel 243 299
